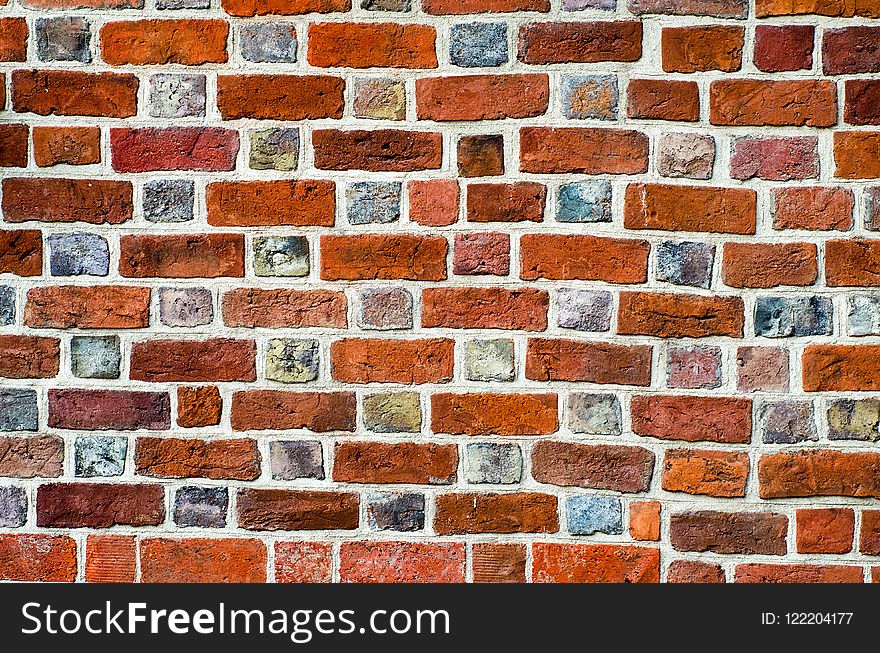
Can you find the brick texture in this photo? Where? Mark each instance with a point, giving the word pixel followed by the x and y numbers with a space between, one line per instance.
pixel 450 290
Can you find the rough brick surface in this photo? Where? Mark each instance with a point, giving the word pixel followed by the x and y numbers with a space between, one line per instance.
pixel 449 290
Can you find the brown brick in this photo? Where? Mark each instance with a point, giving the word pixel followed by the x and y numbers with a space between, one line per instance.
pixel 29 357
pixel 276 308
pixel 741 533
pixel 499 563
pixel 663 99
pixel 482 97
pixel 203 560
pixel 524 512
pixel 74 93
pixel 88 307
pixel 694 571
pixel 767 265
pixel 594 563
pixel 193 458
pixel 283 7
pixel 383 256
pixel 21 252
pixel 599 466
pixel 182 256
pixel 857 155
pixel 802 102
pixel 485 308
pixel 570 42
pixel 522 201
pixel 215 359
pixel 393 150
pixel 283 411
pixel 692 419
pixel 94 201
pixel 297 510
pixel 99 505
pixel 702 47
pixel 67 145
pixel 108 410
pixel 280 97
pixel 552 359
pixel 587 150
pixel 13 144
pixel 399 462
pixel 31 456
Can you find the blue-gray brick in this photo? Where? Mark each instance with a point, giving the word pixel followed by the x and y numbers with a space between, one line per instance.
pixel 594 414
pixel 169 200
pixel 396 512
pixel 7 305
pixel 685 263
pixel 589 97
pixel 782 317
pixel 76 254
pixel 18 409
pixel 281 256
pixel 185 307
pixel 269 42
pixel 489 360
pixel 13 507
pixel 475 45
pixel 64 39
pixel 100 455
pixel 292 459
pixel 786 422
pixel 490 462
pixel 373 202
pixel 594 514
pixel 175 95
pixel 385 309
pixel 95 357
pixel 584 310
pixel 584 201
pixel 203 507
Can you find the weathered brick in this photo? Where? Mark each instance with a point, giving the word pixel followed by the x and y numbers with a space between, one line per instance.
pixel 303 562
pixel 297 510
pixel 482 97
pixel 587 150
pixel 280 97
pixel 615 260
pixel 550 43
pixel 679 316
pixel 706 472
pixel 550 359
pixel 182 256
pixel 271 203
pixel 702 48
pixel 366 45
pixel 690 208
pixel 99 505
pixel 715 419
pixel 819 472
pixel 189 42
pixel 775 159
pixel 663 99
pixel 192 458
pixel 825 530
pixel 30 456
pixel 383 256
pixel 524 512
pixel 215 359
pixel 173 148
pixel 280 411
pixel 760 265
pixel 600 466
pixel 402 562
pixel 797 573
pixel 811 103
pixel 392 150
pixel 485 308
pixel 594 563
pixel 856 155
pixel 813 208
pixel 741 533
pixel 96 201
pixel 74 93
pixel 116 410
pixel 494 414
pixel 33 558
pixel 780 48
pixel 404 462
pixel 202 560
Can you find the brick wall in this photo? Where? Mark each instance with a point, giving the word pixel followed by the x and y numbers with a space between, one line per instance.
pixel 461 290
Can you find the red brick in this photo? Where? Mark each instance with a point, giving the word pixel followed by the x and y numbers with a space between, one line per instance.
pixel 215 359
pixel 742 533
pixel 587 150
pixel 482 97
pixel 767 265
pixel 74 93
pixel 193 458
pixel 702 47
pixel 825 530
pixel 570 42
pixel 663 99
pixel 173 148
pixel 87 307
pixel 849 50
pixel 720 8
pixel 780 48
pixel 377 150
pixel 857 155
pixel 368 45
pixel 852 262
pixel 813 208
pixel 667 315
pixel 276 308
pixel 203 560
pixel 383 256
pixel 692 419
pixel 111 559
pixel 775 159
pixel 522 201
pixel 445 7
pixel 499 562
pixel 21 252
pixel 592 258
pixel 817 473
pixel 862 103
pixel 802 102
pixel 832 8
pixel 181 256
pixel 694 571
pixel 523 512
pixel 297 510
pixel 280 97
pixel 13 39
pixel 869 533
pixel 485 308
pixel 74 146
pixel 594 563
pixel 96 201
pixel 402 562
pixel 494 414
pixel 303 562
pixel 295 202
pixel 553 359
pixel 644 521
pixel 38 558
pixel 29 357
pixel 283 411
pixel 433 203
pixel 99 505
pixel 797 573
pixel 283 7
pixel 482 253
pixel 599 466
pixel 399 462
pixel 668 207
pixel 31 456
pixel 13 145
pixel 117 410
pixel 182 41
pixel 381 360
pixel 706 472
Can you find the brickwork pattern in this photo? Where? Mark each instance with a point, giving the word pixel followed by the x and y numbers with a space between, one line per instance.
pixel 440 290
